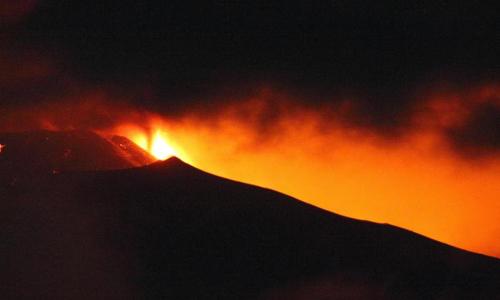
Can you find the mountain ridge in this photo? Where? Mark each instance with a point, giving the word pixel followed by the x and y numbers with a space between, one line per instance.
pixel 170 230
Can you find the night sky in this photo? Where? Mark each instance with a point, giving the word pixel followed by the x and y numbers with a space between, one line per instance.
pixel 169 56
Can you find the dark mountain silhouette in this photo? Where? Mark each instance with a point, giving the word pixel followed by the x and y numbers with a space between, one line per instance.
pixel 40 152
pixel 171 231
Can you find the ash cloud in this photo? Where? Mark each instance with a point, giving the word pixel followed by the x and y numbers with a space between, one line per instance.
pixel 365 62
pixel 480 134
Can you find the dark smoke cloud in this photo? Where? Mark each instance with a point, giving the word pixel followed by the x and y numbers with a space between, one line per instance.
pixel 480 134
pixel 13 11
pixel 364 61
pixel 186 47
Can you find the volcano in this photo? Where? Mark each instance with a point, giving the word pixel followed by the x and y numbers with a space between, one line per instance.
pixel 102 227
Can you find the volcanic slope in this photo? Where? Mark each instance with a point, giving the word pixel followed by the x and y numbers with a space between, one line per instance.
pixel 33 153
pixel 171 231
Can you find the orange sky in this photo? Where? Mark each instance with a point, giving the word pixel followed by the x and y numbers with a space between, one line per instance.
pixel 414 180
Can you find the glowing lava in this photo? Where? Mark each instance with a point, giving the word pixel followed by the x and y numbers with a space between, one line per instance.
pixel 159 147
pixel 156 142
pixel 1 147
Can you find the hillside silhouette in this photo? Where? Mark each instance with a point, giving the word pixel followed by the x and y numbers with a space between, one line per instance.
pixel 35 153
pixel 170 231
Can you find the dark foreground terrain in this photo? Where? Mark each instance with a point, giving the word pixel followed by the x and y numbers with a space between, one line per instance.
pixel 170 231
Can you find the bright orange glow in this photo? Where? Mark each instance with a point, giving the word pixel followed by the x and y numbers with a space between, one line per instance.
pixel 414 181
pixel 156 143
pixel 160 148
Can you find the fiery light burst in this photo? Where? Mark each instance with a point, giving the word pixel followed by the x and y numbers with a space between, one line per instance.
pixel 157 141
pixel 160 147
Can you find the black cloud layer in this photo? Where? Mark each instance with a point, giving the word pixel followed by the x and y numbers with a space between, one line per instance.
pixel 355 44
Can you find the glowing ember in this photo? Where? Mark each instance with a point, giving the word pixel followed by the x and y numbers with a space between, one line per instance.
pixel 160 148
pixel 1 147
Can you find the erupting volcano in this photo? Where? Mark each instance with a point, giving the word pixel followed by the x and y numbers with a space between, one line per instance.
pixel 249 150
